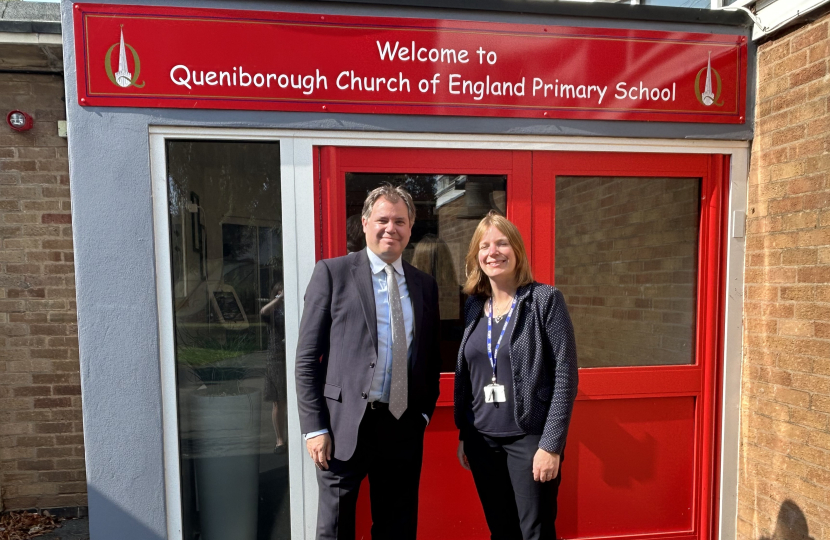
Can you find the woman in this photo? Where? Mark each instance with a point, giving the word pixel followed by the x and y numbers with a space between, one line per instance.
pixel 515 384
pixel 433 256
pixel 273 314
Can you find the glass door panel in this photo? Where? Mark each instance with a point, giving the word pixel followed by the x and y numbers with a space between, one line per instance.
pixel 626 260
pixel 226 250
pixel 448 209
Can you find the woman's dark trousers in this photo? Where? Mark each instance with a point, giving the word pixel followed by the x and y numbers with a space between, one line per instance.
pixel 516 506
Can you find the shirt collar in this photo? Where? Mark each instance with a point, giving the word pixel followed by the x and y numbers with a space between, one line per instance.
pixel 378 265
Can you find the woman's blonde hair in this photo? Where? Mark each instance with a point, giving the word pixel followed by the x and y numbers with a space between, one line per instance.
pixel 477 281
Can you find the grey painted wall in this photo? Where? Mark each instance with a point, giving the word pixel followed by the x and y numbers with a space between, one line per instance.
pixel 114 252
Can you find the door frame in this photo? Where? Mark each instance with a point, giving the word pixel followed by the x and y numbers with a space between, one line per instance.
pixel 531 180
pixel 297 166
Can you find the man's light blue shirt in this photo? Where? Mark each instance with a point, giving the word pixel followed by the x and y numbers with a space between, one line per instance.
pixel 382 380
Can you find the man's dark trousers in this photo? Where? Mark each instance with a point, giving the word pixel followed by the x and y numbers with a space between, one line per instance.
pixel 390 452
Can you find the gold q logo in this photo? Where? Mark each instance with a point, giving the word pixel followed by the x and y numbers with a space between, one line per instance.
pixel 708 97
pixel 123 77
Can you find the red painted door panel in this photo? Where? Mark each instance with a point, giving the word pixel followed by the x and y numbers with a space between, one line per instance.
pixel 628 459
pixel 641 457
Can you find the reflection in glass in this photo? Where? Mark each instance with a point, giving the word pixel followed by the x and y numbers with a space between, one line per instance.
pixel 703 4
pixel 448 209
pixel 626 261
pixel 226 250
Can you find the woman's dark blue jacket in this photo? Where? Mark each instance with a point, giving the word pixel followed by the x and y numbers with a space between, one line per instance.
pixel 543 360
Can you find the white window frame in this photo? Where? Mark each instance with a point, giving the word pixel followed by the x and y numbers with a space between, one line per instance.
pixel 298 211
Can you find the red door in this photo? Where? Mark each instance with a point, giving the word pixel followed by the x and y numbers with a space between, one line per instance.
pixel 635 243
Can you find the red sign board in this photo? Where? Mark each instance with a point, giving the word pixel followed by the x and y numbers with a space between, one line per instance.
pixel 149 56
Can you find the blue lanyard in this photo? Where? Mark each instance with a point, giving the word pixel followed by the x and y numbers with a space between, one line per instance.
pixel 494 357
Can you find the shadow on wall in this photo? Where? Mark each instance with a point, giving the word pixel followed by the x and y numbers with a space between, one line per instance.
pixel 791 524
pixel 108 520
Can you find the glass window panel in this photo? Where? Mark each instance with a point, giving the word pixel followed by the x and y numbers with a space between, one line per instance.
pixel 226 246
pixel 448 208
pixel 626 261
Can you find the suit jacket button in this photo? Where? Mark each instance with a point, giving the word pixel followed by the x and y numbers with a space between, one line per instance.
pixel 364 395
pixel 372 365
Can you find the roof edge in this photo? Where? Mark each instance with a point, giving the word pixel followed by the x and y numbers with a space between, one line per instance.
pixel 591 10
pixel 30 27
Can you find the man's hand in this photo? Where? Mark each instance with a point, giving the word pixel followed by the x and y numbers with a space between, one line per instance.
pixel 319 448
pixel 545 466
pixel 462 457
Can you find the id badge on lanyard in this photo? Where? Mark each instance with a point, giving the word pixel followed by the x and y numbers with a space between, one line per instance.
pixel 494 392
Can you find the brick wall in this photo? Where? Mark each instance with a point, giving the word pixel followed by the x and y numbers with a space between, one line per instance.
pixel 41 437
pixel 626 262
pixel 784 486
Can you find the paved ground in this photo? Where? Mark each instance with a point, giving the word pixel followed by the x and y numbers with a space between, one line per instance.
pixel 71 529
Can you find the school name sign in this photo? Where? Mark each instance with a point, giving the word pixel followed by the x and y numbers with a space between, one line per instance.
pixel 147 56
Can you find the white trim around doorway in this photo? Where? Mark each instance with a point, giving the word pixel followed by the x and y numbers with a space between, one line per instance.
pixel 297 177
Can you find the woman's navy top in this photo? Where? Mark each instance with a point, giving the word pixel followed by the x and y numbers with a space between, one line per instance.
pixel 494 419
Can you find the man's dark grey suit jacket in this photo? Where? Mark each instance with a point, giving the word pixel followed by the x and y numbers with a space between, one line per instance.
pixel 337 348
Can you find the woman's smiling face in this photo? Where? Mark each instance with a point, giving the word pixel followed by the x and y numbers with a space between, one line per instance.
pixel 495 255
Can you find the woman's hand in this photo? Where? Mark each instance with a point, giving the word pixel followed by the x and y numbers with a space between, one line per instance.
pixel 462 457
pixel 545 465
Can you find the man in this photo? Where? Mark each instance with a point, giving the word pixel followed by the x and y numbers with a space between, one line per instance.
pixel 367 374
